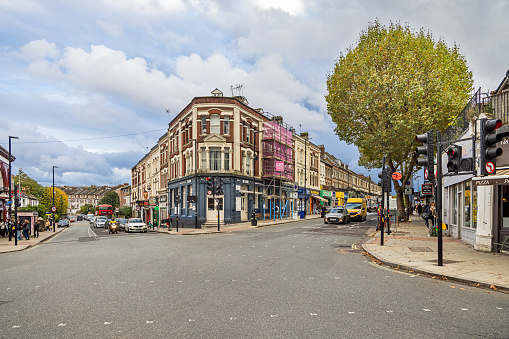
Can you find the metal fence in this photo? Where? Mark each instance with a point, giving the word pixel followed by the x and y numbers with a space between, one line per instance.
pixel 478 103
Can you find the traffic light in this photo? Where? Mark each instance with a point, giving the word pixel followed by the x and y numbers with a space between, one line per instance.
pixel 210 185
pixel 388 180
pixel 454 159
pixel 428 149
pixel 488 139
pixel 219 190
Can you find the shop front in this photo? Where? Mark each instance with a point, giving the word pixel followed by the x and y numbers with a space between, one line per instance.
pixel 303 197
pixel 327 195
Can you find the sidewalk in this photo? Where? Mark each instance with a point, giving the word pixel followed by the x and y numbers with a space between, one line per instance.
pixel 231 227
pixel 8 246
pixel 409 248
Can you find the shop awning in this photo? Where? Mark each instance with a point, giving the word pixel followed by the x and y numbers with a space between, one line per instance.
pixel 319 198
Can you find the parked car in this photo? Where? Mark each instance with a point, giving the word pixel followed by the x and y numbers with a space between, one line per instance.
pixel 135 225
pixel 324 211
pixel 100 222
pixel 121 223
pixel 63 223
pixel 71 218
pixel 91 220
pixel 79 217
pixel 337 214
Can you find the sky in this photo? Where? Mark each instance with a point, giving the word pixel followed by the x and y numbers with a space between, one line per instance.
pixel 90 86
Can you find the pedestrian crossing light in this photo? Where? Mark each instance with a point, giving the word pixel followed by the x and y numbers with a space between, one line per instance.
pixel 427 149
pixel 454 159
pixel 488 140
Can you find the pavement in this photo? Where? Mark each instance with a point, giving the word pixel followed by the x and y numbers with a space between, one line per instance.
pixel 407 248
pixel 9 246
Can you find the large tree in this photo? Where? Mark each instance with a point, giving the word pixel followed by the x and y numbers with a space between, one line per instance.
pixel 393 84
pixel 61 200
pixel 111 198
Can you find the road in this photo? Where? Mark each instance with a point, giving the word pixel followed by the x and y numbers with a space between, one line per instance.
pixel 297 280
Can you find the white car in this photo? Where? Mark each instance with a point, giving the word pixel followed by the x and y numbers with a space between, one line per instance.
pixel 135 225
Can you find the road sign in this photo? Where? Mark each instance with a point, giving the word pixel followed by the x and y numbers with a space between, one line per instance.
pixel 490 167
pixel 426 174
pixel 396 176
pixel 209 192
pixel 53 209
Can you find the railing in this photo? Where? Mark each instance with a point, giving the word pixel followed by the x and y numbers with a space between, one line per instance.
pixel 478 103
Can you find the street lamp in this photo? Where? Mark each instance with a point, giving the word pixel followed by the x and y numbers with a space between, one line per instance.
pixel 253 217
pixel 10 195
pixel 195 183
pixel 53 209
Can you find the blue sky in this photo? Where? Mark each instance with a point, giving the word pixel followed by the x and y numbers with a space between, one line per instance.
pixel 74 73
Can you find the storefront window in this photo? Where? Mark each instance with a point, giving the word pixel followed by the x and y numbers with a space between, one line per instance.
pixel 474 207
pixel 454 207
pixel 466 213
pixel 505 206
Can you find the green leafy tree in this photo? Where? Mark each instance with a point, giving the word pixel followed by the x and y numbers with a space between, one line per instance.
pixel 87 209
pixel 393 84
pixel 110 198
pixel 61 199
pixel 41 210
pixel 126 211
pixel 28 185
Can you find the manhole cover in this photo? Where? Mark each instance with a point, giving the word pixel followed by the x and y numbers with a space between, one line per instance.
pixel 341 246
pixel 420 249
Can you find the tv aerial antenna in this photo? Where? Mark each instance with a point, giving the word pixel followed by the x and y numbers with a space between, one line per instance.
pixel 239 88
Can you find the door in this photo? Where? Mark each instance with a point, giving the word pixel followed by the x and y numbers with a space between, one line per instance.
pixel 243 208
pixel 212 206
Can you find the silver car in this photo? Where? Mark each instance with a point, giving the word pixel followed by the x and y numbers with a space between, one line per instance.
pixel 135 225
pixel 337 214
pixel 100 222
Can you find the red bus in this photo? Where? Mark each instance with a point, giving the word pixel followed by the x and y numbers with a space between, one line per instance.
pixel 104 210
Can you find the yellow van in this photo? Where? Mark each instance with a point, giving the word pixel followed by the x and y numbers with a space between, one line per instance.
pixel 357 207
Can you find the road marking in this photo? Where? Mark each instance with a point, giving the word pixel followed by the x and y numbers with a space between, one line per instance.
pixel 61 325
pixel 313 313
pixel 107 323
pixel 464 309
pixel 16 326
pixel 426 310
pixel 152 321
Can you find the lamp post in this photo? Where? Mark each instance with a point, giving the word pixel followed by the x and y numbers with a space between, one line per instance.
pixel 195 183
pixel 253 214
pixel 10 192
pixel 53 208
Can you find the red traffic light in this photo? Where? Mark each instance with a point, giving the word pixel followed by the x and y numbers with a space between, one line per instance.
pixel 208 178
pixel 493 124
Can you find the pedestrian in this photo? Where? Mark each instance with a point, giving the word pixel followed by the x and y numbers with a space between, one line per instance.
pixel 19 228
pixel 419 209
pixel 26 230
pixel 3 228
pixel 432 213
pixel 36 230
pixel 427 215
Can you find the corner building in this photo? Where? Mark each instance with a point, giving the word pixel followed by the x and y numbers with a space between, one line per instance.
pixel 215 137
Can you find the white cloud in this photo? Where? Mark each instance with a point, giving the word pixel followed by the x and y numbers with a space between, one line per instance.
pixel 38 49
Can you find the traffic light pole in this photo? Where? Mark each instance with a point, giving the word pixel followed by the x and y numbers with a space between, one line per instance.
pixel 218 184
pixel 439 197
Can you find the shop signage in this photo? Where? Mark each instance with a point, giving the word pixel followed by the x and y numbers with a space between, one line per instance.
pixel 485 181
pixel 162 198
pixel 315 192
pixel 427 189
pixel 280 166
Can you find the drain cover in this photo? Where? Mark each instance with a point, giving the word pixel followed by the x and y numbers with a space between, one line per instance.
pixel 84 239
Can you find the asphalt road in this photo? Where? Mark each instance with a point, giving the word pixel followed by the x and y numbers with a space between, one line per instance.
pixel 297 280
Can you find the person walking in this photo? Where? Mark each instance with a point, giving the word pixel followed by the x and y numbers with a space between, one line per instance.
pixel 26 230
pixel 426 210
pixel 433 215
pixel 3 228
pixel 419 209
pixel 36 229
pixel 19 228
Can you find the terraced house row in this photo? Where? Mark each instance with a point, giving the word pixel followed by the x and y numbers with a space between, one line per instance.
pixel 262 165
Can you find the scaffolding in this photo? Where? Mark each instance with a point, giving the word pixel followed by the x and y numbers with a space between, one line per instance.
pixel 277 169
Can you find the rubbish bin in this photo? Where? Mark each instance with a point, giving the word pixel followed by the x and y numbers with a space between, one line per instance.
pixel 301 213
